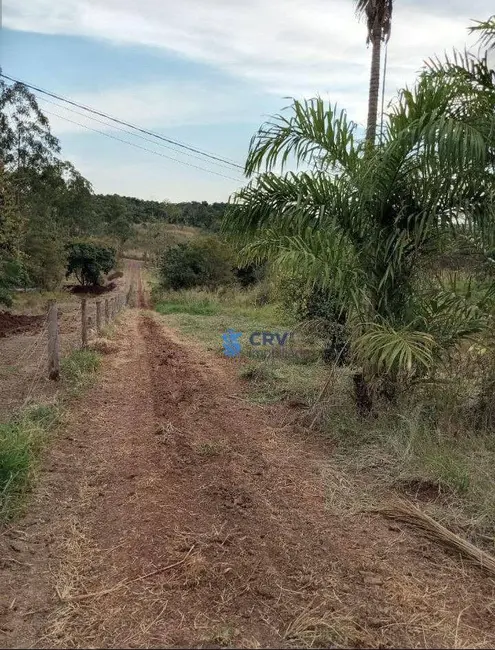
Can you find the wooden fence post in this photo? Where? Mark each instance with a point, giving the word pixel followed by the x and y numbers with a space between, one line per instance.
pixel 98 317
pixel 107 312
pixel 53 342
pixel 84 323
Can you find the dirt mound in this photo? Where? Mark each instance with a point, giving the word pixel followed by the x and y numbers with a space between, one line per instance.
pixel 19 323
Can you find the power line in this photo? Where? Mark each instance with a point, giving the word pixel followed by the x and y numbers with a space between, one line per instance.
pixel 138 146
pixel 122 122
pixel 134 135
pixel 383 90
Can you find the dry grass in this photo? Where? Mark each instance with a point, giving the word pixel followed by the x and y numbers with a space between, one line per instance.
pixel 104 345
pixel 410 514
pixel 209 448
pixel 319 627
pixel 36 302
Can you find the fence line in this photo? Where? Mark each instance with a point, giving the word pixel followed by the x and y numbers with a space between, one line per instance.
pixel 91 313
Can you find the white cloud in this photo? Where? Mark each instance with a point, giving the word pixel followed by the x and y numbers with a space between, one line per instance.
pixel 273 47
pixel 283 47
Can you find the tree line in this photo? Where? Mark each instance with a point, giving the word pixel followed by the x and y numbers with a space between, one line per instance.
pixel 46 203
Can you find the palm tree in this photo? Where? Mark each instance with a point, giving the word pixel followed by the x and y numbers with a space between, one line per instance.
pixel 360 224
pixel 379 21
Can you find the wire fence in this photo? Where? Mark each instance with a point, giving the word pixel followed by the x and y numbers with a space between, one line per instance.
pixel 30 363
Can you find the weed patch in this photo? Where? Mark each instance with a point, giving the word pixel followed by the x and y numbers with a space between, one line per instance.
pixel 209 448
pixel 23 437
pixel 21 440
pixel 79 368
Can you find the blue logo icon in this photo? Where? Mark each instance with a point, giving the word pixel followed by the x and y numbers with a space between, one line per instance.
pixel 231 344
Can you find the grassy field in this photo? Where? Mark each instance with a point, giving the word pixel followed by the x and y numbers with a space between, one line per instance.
pixel 418 448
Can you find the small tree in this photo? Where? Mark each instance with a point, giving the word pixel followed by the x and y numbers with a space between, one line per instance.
pixel 88 261
pixel 206 262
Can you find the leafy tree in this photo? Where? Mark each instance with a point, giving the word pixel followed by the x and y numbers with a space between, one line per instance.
pixel 46 262
pixel 110 208
pixel 26 141
pixel 88 261
pixel 46 195
pixel 11 236
pixel 203 262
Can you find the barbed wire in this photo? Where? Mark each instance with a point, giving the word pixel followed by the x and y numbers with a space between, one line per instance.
pixel 30 351
pixel 70 340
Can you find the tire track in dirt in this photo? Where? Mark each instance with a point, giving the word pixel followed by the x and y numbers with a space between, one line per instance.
pixel 158 462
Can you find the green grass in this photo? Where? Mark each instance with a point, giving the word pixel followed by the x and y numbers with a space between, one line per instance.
pixel 205 315
pixel 21 441
pixel 199 308
pixel 78 369
pixel 401 451
pixel 23 437
pixel 420 447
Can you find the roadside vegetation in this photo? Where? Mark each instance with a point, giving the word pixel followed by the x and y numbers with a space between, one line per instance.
pixel 378 256
pixel 26 434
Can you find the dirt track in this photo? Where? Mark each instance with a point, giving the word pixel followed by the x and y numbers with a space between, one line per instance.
pixel 171 513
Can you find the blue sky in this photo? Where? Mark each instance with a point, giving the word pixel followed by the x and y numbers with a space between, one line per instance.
pixel 204 72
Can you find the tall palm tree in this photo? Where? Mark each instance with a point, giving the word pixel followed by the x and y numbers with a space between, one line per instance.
pixel 379 21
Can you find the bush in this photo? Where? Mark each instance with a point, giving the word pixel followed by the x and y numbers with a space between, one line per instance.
pixel 88 261
pixel 12 273
pixel 204 262
pixel 314 304
pixel 251 274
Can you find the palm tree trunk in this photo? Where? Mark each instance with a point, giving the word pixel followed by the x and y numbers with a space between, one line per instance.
pixel 374 90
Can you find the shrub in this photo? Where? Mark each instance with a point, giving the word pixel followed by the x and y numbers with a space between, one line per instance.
pixel 250 274
pixel 88 261
pixel 315 304
pixel 204 262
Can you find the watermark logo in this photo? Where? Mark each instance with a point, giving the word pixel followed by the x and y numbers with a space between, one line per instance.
pixel 231 344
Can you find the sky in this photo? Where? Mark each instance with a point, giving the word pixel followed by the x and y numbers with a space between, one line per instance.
pixel 206 73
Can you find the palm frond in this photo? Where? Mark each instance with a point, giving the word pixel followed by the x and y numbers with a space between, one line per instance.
pixel 378 15
pixel 487 32
pixel 315 132
pixel 394 351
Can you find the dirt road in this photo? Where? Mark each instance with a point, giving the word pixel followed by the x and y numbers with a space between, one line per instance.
pixel 172 512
